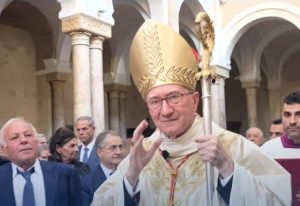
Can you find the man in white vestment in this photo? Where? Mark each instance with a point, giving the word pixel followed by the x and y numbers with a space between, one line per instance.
pixel 288 145
pixel 286 148
pixel 168 168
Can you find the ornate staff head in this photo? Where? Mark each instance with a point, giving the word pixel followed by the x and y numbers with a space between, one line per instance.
pixel 206 34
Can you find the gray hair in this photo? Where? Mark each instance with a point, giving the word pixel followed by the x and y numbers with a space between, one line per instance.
pixel 260 133
pixel 100 139
pixel 86 118
pixel 8 123
pixel 43 148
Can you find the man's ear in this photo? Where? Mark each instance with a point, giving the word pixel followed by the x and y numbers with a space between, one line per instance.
pixel 3 150
pixel 99 152
pixel 196 100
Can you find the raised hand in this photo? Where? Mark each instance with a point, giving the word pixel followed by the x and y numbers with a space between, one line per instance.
pixel 138 155
pixel 212 151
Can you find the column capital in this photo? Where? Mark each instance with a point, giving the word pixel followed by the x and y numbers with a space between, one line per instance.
pixel 116 87
pixel 250 83
pixel 57 76
pixel 274 84
pixel 222 72
pixel 82 22
pixel 97 42
pixel 80 38
pixel 53 66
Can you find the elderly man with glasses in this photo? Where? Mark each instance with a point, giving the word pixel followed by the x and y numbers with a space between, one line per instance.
pixel 168 168
pixel 109 146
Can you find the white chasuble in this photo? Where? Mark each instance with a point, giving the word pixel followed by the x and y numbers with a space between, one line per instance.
pixel 257 179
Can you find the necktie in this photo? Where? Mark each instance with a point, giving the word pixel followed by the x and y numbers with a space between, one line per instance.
pixel 112 172
pixel 28 195
pixel 85 155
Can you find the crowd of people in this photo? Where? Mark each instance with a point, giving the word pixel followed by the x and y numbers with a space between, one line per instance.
pixel 168 168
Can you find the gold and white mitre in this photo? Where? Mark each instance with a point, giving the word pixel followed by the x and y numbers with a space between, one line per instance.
pixel 160 56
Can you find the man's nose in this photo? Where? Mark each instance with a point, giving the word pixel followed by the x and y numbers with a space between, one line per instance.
pixel 292 120
pixel 23 138
pixel 118 150
pixel 166 109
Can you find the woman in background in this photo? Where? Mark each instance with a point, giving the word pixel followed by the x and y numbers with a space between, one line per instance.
pixel 63 148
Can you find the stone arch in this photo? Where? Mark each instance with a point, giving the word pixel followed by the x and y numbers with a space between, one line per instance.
pixel 246 19
pixel 270 36
pixel 3 4
pixel 285 57
pixel 187 22
pixel 120 44
pixel 41 32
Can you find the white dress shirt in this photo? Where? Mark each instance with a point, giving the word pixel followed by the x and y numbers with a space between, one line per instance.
pixel 90 146
pixel 37 180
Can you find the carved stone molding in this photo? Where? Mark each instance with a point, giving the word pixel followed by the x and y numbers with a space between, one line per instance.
pixel 250 83
pixel 85 23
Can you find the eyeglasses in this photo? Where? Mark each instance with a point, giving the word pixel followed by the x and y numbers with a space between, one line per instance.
pixel 114 147
pixel 173 99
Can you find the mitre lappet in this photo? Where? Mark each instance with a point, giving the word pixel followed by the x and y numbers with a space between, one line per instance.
pixel 160 56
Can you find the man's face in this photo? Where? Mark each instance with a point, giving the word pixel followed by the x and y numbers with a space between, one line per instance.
pixel 84 132
pixel 68 151
pixel 173 119
pixel 291 121
pixel 42 141
pixel 276 130
pixel 111 153
pixel 254 135
pixel 44 155
pixel 21 145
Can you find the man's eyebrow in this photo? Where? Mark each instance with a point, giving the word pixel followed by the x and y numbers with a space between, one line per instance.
pixel 169 93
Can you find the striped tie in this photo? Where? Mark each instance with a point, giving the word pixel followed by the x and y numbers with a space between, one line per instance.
pixel 28 194
pixel 85 155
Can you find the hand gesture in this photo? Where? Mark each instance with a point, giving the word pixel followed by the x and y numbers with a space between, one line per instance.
pixel 212 151
pixel 138 155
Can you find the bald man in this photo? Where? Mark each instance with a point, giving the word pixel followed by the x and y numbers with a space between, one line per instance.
pixel 256 136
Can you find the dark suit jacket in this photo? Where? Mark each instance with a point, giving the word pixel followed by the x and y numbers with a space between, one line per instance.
pixel 90 183
pixel 62 185
pixel 93 161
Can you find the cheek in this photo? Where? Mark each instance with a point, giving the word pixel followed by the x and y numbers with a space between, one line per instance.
pixel 154 115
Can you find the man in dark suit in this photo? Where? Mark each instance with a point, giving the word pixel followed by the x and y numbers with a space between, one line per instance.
pixel 109 149
pixel 48 183
pixel 85 131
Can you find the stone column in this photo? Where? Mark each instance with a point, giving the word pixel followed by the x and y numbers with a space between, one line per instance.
pixel 58 111
pixel 81 74
pixel 218 97
pixel 218 102
pixel 97 84
pixel 114 110
pixel 123 128
pixel 81 26
pixel 57 73
pixel 275 103
pixel 251 90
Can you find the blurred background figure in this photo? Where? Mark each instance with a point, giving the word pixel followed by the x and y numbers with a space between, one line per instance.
pixel 85 131
pixel 256 136
pixel 276 129
pixel 109 146
pixel 43 152
pixel 42 139
pixel 63 148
